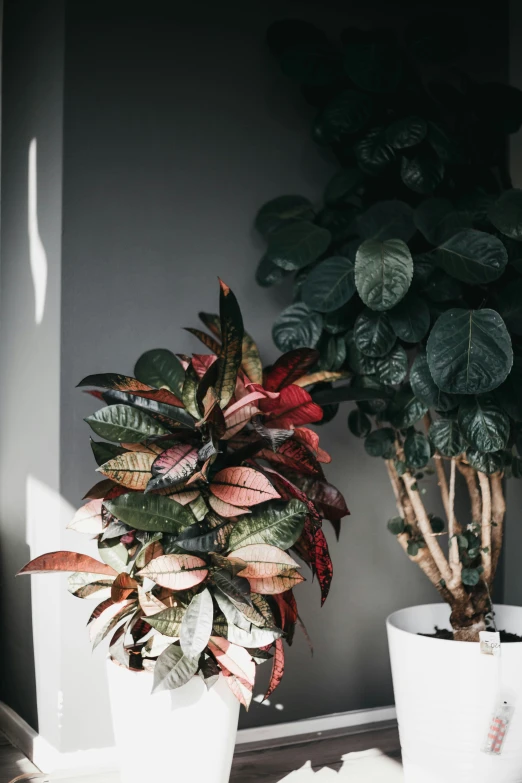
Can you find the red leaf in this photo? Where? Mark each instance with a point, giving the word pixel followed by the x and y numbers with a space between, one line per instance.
pixel 66 561
pixel 322 564
pixel 288 491
pixel 311 439
pixel 326 497
pixel 206 339
pixel 294 456
pixel 289 367
pixel 238 419
pixel 114 381
pixel 256 395
pixel 99 490
pixel 164 396
pixel 242 486
pixel 293 407
pixel 278 668
pixel 201 362
pixel 287 608
pixel 122 587
pixel 241 689
pixel 173 466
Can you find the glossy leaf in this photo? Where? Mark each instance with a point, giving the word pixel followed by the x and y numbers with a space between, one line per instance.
pixel 173 669
pixel 87 585
pixel 293 407
pixel 425 388
pixel 406 132
pixel 161 368
pixel 417 450
pixel 168 621
pixel 349 112
pixel 383 272
pixel 122 423
pixel 122 587
pixel 114 381
pixel 264 560
pixel 488 463
pixel 469 351
pixel 271 585
pixel 131 470
pixel 373 153
pixel 103 452
pixel 289 367
pixel 373 334
pixel 297 327
pixel 359 424
pixel 296 245
pixel 278 524
pixel 473 257
pixel 293 455
pixel 506 213
pixel 330 284
pixel 381 443
pixel 189 391
pixel 281 210
pixel 278 668
pixel 410 319
pixel 232 333
pixel 196 625
pixel 242 486
pixel 155 513
pixel 66 561
pixel 241 689
pixel 484 425
pixel 446 437
pixel 422 174
pixel 392 368
pixel 251 360
pixel 173 466
pixel 177 572
pixel 387 220
pixel 405 409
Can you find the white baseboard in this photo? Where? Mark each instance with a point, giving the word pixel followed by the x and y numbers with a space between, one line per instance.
pixel 48 759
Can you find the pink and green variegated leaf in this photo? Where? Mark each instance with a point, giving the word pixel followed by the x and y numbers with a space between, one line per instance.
pixel 88 518
pixel 173 466
pixel 164 396
pixel 242 486
pixel 241 689
pixel 108 619
pixel 326 497
pixel 294 456
pixel 232 350
pixel 251 361
pixel 99 490
pixel 248 398
pixel 177 572
pixel 182 495
pixel 226 509
pixel 115 382
pixel 320 377
pixel 150 605
pixel 238 419
pixel 288 490
pixel 311 439
pixel 149 552
pixel 208 341
pixel 85 585
pixel 202 363
pixel 289 367
pixel 322 564
pixel 271 585
pixel 143 447
pixel 131 470
pixel 66 561
pixel 264 560
pixel 293 407
pixel 278 668
pixel 122 587
pixel 233 658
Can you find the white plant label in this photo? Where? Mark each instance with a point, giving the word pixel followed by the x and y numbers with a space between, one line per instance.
pixel 499 724
pixel 489 642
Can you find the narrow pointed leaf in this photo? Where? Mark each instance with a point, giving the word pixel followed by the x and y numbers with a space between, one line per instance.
pixel 264 560
pixel 86 585
pixel 289 367
pixel 177 572
pixel 114 381
pixel 103 452
pixel 232 351
pixel 131 470
pixel 66 561
pixel 279 525
pixel 242 486
pixel 251 360
pixel 241 689
pixel 121 423
pixel 278 668
pixel 173 466
pixel 173 669
pixel 151 512
pixel 168 621
pixel 196 625
pixel 293 407
pixel 235 659
pixel 322 563
pixel 270 585
pixel 226 509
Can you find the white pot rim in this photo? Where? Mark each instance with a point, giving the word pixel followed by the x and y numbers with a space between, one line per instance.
pixel 396 621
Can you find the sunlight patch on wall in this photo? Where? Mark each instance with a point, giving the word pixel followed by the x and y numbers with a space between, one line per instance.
pixel 37 254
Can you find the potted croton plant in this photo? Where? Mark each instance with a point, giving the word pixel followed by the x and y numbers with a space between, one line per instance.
pixel 408 282
pixel 213 484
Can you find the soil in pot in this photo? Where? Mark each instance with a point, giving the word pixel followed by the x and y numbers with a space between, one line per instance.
pixel 444 633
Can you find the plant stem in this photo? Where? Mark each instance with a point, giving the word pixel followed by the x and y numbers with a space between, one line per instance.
pixel 474 493
pixel 454 557
pixel 443 485
pixel 485 490
pixel 498 511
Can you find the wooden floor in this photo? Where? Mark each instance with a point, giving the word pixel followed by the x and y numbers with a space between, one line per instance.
pixel 269 763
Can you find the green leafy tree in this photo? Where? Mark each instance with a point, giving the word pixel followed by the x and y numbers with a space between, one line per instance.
pixel 407 280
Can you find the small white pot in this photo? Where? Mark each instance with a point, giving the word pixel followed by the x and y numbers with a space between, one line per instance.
pixel 446 694
pixel 182 736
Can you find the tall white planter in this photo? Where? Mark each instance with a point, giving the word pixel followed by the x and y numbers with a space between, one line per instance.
pixel 181 736
pixel 446 693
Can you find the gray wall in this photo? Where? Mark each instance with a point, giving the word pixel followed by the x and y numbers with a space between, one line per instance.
pixel 30 353
pixel 178 125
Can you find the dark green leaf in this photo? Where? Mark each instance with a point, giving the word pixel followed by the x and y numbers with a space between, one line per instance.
pixel 359 424
pixel 373 153
pixel 297 327
pixel 410 319
pixel 173 669
pixel 510 306
pixel 387 220
pixel 484 425
pixel 373 334
pixel 279 211
pixel 297 245
pixel 381 443
pixel 124 424
pixel 417 450
pixel 406 132
pixel 151 512
pixel 405 409
pixel 508 394
pixel 425 388
pixel 473 257
pixel 442 288
pixel 103 452
pixel 413 548
pixel 469 351
pixel 446 437
pixel 429 215
pixel 506 213
pixel 359 362
pixel 169 415
pixel 347 113
pixel 437 524
pixel 422 174
pixel 196 626
pixel 363 391
pixel 470 577
pixel 330 284
pixel 268 273
pixel 488 463
pixel 232 333
pixel 232 585
pixel 160 368
pixel 279 524
pixel 344 184
pixel 168 621
pixel 396 525
pixel 370 395
pixel 383 272
pixel 333 353
pixel 190 390
pixel 392 368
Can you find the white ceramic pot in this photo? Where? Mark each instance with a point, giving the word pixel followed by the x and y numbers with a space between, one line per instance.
pixel 446 693
pixel 182 736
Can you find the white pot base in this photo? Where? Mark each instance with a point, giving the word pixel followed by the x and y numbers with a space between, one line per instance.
pixel 446 693
pixel 186 735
